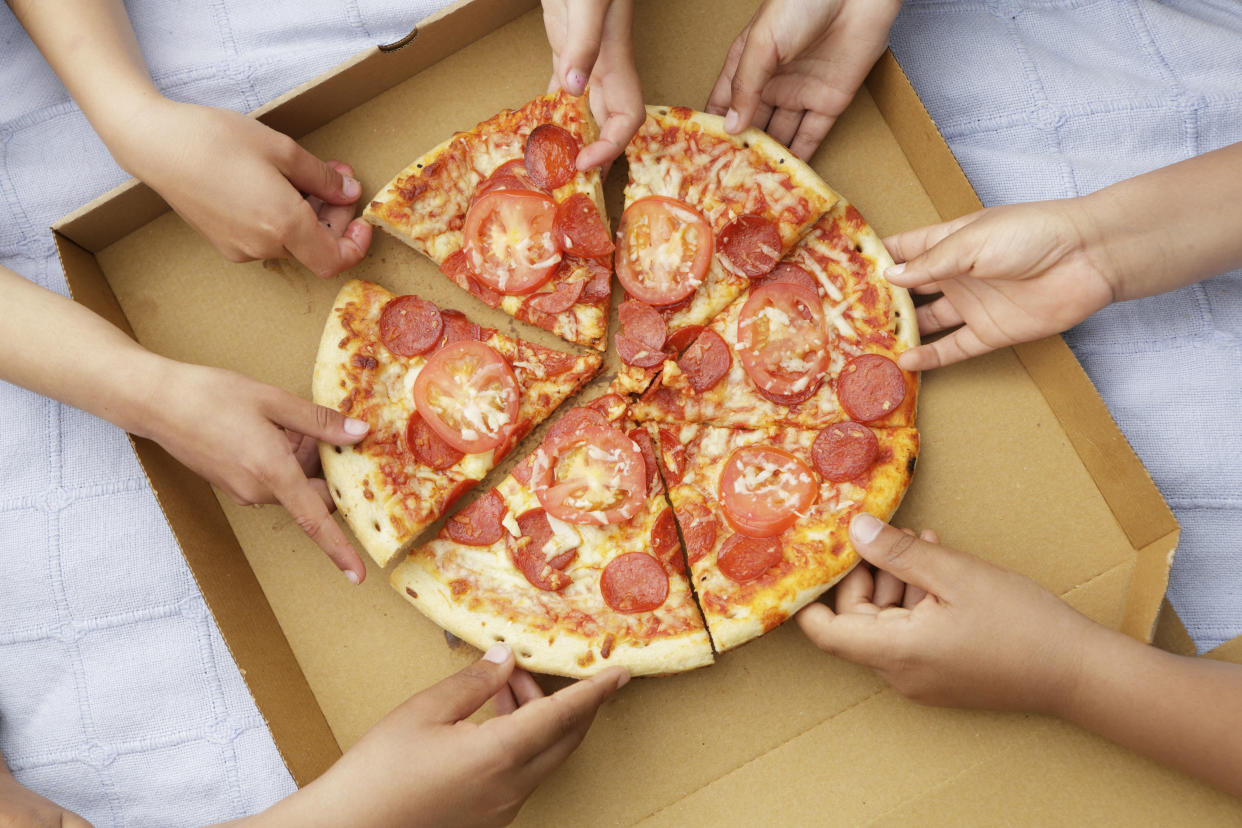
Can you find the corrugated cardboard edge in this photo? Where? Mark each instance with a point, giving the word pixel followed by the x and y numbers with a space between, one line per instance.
pixel 1122 480
pixel 219 567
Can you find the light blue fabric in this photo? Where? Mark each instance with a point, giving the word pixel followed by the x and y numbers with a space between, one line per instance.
pixel 118 697
pixel 1059 98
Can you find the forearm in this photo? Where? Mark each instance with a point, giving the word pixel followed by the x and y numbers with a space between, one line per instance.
pixel 1184 712
pixel 58 348
pixel 1170 227
pixel 91 46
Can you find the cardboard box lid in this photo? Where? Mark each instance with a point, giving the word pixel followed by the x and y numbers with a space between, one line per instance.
pixel 1019 434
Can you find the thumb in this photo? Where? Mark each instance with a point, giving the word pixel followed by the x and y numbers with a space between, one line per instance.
pixel 464 692
pixel 583 37
pixel 305 417
pixel 321 179
pixel 930 566
pixel 911 250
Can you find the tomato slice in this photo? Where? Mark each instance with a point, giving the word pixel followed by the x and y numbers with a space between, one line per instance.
pixel 469 396
pixel 664 248
pixel 783 341
pixel 509 241
pixel 590 474
pixel 763 489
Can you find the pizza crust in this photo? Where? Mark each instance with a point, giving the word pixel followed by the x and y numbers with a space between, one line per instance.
pixel 565 655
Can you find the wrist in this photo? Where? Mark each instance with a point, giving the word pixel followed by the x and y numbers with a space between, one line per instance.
pixel 1103 656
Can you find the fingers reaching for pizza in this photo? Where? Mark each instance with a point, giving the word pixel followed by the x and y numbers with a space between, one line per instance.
pixel 592 46
pixel 946 628
pixel 1006 275
pixel 249 190
pixel 795 68
pixel 462 773
pixel 257 444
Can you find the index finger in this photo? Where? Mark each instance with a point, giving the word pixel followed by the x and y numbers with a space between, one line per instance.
pixel 322 251
pixel 754 67
pixel 722 93
pixel 308 510
pixel 561 719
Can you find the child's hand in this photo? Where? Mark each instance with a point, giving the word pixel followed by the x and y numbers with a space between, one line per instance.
pixel 256 443
pixel 22 806
pixel 796 67
pixel 425 764
pixel 592 45
pixel 242 185
pixel 1008 274
pixel 946 628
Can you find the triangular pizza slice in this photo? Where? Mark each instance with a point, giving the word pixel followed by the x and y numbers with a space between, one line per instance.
pixel 812 343
pixel 445 398
pixel 506 215
pixel 573 560
pixel 705 213
pixel 765 513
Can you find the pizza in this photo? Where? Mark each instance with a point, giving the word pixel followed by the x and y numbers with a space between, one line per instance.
pixel 705 213
pixel 445 399
pixel 573 559
pixel 506 215
pixel 757 405
pixel 765 513
pixel 811 343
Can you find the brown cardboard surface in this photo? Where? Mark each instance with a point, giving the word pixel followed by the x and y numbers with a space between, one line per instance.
pixel 1020 464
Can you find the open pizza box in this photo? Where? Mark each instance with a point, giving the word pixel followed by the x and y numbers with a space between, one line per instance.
pixel 1021 464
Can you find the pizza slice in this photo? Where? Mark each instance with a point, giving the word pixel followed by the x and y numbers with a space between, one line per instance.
pixel 572 560
pixel 813 342
pixel 765 513
pixel 706 213
pixel 506 215
pixel 445 399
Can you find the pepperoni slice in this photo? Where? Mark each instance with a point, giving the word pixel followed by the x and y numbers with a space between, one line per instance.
pixel 643 440
pixel 599 286
pixel 792 274
pixel 707 361
pixel 634 582
pixel 750 246
pixel 744 559
pixel 410 325
pixel 574 420
pixel 633 352
pixel 510 175
pixel 458 328
pixel 664 543
pixel 680 339
pixel 563 297
pixel 698 527
pixel 870 386
pixel 429 447
pixel 479 523
pixel 643 323
pixel 579 229
pixel 842 451
pixel 529 557
pixel 674 453
pixel 550 155
pixel 457 268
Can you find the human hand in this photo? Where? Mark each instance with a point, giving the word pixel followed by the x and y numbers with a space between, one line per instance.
pixel 425 763
pixel 240 184
pixel 1007 274
pixel 256 443
pixel 21 806
pixel 795 68
pixel 592 45
pixel 946 628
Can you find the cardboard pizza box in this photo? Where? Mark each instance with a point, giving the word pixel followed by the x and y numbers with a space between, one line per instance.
pixel 1021 464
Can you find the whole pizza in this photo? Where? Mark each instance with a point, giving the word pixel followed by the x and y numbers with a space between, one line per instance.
pixel 755 404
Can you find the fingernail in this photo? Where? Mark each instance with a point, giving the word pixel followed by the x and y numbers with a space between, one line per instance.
pixel 356 428
pixel 731 121
pixel 895 270
pixel 497 654
pixel 351 188
pixel 623 680
pixel 577 81
pixel 352 577
pixel 864 528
